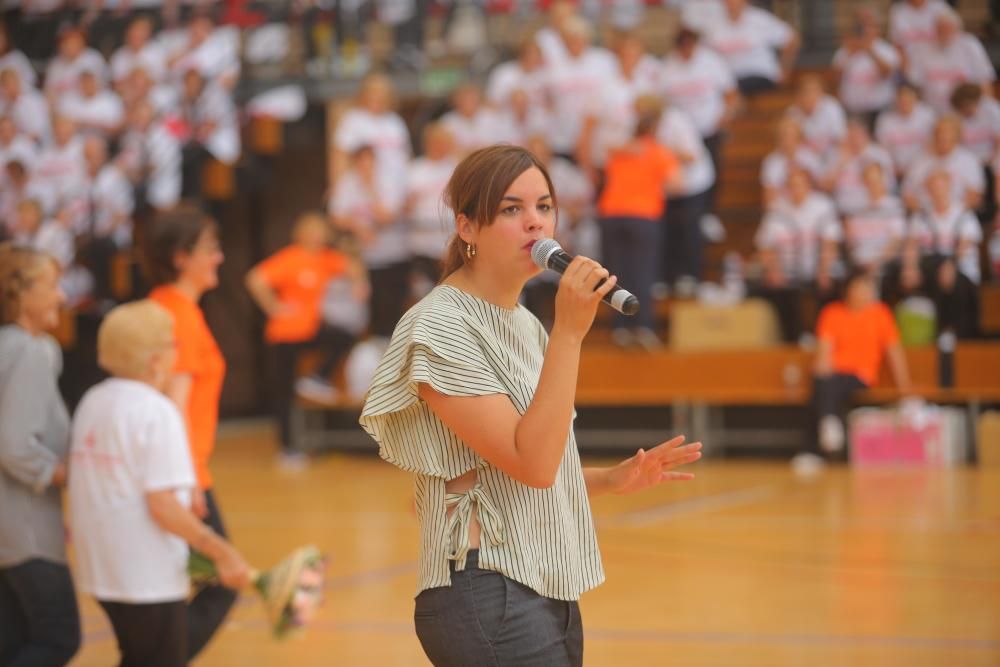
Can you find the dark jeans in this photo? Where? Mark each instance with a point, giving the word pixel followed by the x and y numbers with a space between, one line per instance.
pixel 334 343
pixel 754 85
pixel 683 243
pixel 39 620
pixel 714 145
pixel 632 252
pixel 150 635
pixel 390 289
pixel 832 396
pixel 485 619
pixel 208 608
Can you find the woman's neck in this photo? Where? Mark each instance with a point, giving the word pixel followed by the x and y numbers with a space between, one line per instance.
pixel 188 289
pixel 494 287
pixel 29 325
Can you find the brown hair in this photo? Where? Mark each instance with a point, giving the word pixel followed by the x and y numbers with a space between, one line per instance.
pixel 477 187
pixel 965 93
pixel 19 266
pixel 174 231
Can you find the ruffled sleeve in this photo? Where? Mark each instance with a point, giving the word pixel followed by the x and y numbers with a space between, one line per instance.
pixel 440 346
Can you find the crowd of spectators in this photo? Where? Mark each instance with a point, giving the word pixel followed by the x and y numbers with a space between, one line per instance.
pixel 92 143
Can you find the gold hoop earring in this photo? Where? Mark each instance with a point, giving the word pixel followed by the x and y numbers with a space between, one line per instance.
pixel 470 251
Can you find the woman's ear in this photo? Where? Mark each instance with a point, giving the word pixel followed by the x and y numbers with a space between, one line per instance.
pixel 465 229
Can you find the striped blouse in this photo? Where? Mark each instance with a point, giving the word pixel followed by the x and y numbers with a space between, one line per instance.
pixel 463 346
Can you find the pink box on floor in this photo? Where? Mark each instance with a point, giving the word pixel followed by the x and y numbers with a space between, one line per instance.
pixel 883 437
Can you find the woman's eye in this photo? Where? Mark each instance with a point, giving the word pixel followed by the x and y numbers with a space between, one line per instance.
pixel 511 210
pixel 545 208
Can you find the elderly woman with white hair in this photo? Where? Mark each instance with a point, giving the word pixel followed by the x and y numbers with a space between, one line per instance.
pixel 40 622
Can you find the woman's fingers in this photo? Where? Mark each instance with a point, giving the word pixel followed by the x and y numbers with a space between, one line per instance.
pixel 677 476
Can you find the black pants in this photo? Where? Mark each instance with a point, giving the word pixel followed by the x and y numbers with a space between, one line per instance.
pixel 39 620
pixel 208 608
pixel 488 620
pixel 96 253
pixel 832 397
pixel 150 635
pixel 334 344
pixel 714 144
pixel 631 247
pixel 683 243
pixel 754 85
pixel 390 289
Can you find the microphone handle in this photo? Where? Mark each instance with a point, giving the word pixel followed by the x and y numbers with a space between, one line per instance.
pixel 618 298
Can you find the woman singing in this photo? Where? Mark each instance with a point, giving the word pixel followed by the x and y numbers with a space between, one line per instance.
pixel 476 400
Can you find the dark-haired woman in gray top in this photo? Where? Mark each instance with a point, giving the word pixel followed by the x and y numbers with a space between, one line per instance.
pixel 39 621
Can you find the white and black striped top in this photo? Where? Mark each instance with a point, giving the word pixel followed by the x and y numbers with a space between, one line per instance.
pixel 464 346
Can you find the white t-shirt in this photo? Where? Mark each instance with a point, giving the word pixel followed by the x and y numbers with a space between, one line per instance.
pixel 678 133
pixel 217 56
pixel 508 77
pixel 981 131
pixel 873 229
pixel 796 232
pixel 849 189
pixel 101 201
pixel 965 169
pixel 19 62
pixel 10 198
pixel 937 70
pixel 552 46
pixel 150 58
pixel 215 105
pixel 53 239
pixel 614 111
pixel 486 127
pixel 536 121
pixel 30 112
pixel 825 127
pixel 645 79
pixel 351 199
pixel 698 87
pixel 905 137
pixel 22 149
pixel 157 154
pixel 863 87
pixel 912 27
pixel 941 233
pixel 61 75
pixel 748 44
pixel 431 221
pixel 129 440
pixel 62 168
pixel 386 133
pixel 576 85
pixel 104 110
pixel 774 168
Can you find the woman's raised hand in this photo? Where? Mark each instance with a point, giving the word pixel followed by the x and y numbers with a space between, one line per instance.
pixel 649 468
pixel 578 296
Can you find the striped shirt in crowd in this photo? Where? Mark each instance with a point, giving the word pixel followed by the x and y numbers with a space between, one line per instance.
pixel 463 346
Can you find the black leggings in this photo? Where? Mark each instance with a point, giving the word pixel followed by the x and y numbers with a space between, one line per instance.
pixel 39 621
pixel 150 635
pixel 208 608
pixel 832 397
pixel 390 289
pixel 334 345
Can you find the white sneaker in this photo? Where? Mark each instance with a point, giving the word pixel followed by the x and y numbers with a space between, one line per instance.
pixel 831 434
pixel 647 339
pixel 807 464
pixel 712 228
pixel 622 337
pixel 292 461
pixel 316 389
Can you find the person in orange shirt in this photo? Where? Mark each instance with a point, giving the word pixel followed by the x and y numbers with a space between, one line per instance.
pixel 854 335
pixel 183 260
pixel 289 288
pixel 631 205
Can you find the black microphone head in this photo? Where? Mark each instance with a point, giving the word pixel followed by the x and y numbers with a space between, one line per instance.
pixel 542 250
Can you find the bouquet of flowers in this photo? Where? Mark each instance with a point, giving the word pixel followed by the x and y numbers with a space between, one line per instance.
pixel 292 590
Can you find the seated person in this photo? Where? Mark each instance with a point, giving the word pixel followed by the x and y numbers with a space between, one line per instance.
pixel 875 232
pixel 798 242
pixel 854 334
pixel 130 493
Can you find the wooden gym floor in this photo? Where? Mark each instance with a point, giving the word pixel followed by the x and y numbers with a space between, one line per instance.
pixel 747 565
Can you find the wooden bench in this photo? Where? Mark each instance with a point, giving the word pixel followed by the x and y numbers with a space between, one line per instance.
pixel 695 386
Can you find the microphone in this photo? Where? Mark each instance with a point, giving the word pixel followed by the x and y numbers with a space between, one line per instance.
pixel 548 254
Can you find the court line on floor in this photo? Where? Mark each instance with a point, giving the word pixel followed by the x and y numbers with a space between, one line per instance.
pixel 678 508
